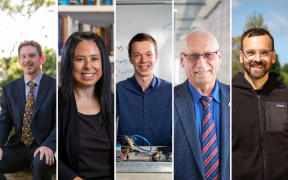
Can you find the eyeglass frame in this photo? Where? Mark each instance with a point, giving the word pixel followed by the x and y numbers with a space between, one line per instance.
pixel 199 55
pixel 272 50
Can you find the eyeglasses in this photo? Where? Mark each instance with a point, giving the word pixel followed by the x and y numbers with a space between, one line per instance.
pixel 196 56
pixel 251 54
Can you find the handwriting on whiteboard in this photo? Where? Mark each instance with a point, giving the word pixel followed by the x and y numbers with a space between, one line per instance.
pixel 167 26
pixel 121 72
pixel 121 48
pixel 122 61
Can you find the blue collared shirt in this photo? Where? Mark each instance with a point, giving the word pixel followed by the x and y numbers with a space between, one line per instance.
pixel 35 89
pixel 148 113
pixel 198 107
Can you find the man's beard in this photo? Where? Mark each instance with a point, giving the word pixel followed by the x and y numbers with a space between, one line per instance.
pixel 251 64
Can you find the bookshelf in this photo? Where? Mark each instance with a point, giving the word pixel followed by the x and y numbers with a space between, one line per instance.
pixel 98 17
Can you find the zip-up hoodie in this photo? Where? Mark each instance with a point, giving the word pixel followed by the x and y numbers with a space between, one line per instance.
pixel 259 130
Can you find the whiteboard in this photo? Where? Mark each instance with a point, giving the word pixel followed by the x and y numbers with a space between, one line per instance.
pixel 154 19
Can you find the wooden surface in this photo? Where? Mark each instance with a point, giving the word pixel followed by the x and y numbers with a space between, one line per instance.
pixel 25 175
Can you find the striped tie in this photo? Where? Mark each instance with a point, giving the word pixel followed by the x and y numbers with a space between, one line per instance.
pixel 210 151
pixel 27 136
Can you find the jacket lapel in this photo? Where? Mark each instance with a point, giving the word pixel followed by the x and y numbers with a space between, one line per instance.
pixel 225 130
pixel 185 107
pixel 41 94
pixel 20 94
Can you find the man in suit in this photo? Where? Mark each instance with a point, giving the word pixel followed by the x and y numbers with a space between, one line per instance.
pixel 29 105
pixel 202 113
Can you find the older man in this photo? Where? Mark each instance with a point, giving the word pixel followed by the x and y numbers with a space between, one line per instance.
pixel 202 113
pixel 259 143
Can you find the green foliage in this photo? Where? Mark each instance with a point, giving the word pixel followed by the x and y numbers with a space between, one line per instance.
pixel 284 74
pixel 255 21
pixel 284 77
pixel 11 70
pixel 285 68
pixel 23 7
pixel 276 66
pixel 49 67
pixel 236 65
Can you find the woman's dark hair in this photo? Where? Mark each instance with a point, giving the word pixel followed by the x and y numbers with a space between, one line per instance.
pixel 102 87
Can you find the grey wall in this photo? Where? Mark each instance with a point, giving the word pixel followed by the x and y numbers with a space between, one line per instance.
pixel 215 18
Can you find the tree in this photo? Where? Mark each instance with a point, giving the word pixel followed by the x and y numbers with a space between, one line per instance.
pixel 23 7
pixel 285 68
pixel 49 67
pixel 255 21
pixel 236 65
pixel 284 73
pixel 276 66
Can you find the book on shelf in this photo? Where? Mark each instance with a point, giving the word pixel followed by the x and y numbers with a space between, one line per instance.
pixel 84 2
pixel 67 25
pixel 106 2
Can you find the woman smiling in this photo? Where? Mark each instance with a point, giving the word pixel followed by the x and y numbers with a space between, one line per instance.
pixel 86 127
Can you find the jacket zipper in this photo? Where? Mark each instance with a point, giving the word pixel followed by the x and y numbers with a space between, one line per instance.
pixel 261 120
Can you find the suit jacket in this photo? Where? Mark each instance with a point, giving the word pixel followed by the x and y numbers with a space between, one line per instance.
pixel 187 147
pixel 69 138
pixel 43 123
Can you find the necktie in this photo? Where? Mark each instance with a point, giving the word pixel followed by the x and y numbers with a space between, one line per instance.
pixel 27 136
pixel 210 151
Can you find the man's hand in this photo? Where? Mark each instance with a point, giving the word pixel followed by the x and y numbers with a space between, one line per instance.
pixel 43 150
pixel 1 153
pixel 77 178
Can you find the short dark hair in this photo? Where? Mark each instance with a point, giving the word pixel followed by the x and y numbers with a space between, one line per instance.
pixel 66 80
pixel 30 43
pixel 256 32
pixel 141 37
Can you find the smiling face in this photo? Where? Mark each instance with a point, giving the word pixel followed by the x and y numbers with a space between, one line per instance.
pixel 201 72
pixel 143 58
pixel 259 65
pixel 87 64
pixel 30 61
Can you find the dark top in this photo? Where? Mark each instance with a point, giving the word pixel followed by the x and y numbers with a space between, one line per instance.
pixel 69 139
pixel 259 130
pixel 95 152
pixel 148 113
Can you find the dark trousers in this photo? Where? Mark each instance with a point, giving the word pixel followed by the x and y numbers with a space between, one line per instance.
pixel 20 157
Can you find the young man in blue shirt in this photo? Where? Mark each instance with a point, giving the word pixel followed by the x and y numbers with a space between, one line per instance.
pixel 144 101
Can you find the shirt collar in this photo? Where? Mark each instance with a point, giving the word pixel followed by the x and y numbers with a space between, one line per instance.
pixel 36 80
pixel 152 84
pixel 196 95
